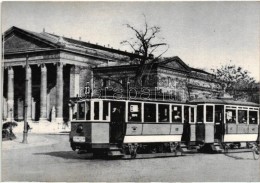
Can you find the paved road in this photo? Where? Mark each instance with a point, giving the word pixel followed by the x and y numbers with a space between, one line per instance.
pixel 54 161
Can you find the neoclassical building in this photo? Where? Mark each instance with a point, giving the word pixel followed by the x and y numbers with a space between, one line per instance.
pixel 60 68
pixel 166 76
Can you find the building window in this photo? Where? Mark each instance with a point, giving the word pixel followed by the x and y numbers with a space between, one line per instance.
pixel 104 83
pixel 143 80
pixel 169 81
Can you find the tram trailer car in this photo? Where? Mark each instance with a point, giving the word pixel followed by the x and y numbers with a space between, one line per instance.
pixel 118 127
pixel 224 123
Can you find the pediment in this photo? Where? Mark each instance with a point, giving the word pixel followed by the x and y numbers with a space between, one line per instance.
pixel 175 63
pixel 19 43
pixel 16 41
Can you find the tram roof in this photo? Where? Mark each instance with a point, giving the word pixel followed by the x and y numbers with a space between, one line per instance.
pixel 168 101
pixel 224 102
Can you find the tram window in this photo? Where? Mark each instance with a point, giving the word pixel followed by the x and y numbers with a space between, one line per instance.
pixel 87 111
pixel 218 116
pixel 230 116
pixel 163 113
pixel 218 113
pixel 176 114
pixel 252 117
pixel 149 112
pixel 209 113
pixel 200 114
pixel 134 112
pixel 105 110
pixel 242 116
pixel 192 110
pixel 81 111
pixel 186 114
pixel 96 110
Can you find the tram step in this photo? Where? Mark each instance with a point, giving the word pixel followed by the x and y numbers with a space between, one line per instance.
pixel 114 148
pixel 155 155
pixel 188 149
pixel 217 147
pixel 115 153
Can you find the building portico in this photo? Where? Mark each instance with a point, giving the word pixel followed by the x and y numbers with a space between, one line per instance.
pixel 58 68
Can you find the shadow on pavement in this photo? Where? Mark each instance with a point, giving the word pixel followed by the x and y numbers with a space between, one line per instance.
pixel 67 155
pixel 89 156
pixel 236 157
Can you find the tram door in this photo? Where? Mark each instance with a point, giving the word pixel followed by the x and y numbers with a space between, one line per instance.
pixel 219 122
pixel 117 124
pixel 186 125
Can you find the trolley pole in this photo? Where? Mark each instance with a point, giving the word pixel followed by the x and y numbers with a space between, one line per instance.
pixel 25 131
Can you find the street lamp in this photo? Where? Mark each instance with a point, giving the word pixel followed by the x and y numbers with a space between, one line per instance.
pixel 25 129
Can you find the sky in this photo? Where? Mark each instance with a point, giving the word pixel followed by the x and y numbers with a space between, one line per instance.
pixel 204 35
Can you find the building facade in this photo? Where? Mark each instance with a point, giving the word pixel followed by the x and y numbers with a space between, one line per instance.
pixel 167 77
pixel 60 68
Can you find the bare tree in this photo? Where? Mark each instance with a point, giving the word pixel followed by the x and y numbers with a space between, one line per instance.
pixel 146 42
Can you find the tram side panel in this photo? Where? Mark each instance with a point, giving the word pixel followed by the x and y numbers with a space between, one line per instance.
pixel 242 128
pixel 200 132
pixel 204 132
pixel 193 132
pixel 209 132
pixel 241 133
pixel 153 133
pixel 100 135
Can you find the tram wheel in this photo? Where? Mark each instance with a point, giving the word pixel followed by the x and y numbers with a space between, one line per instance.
pixel 133 150
pixel 133 155
pixel 255 150
pixel 225 147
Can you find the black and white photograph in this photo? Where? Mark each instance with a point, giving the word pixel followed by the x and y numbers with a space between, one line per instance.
pixel 130 91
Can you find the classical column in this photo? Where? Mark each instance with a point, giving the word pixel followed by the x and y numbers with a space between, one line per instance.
pixel 74 81
pixel 59 94
pixel 43 97
pixel 10 94
pixel 29 107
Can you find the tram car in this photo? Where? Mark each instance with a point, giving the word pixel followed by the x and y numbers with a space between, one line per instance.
pixel 118 127
pixel 223 123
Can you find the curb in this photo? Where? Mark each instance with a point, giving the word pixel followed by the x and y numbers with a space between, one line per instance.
pixel 17 144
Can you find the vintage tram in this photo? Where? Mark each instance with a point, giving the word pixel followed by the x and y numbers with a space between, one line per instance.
pixel 223 123
pixel 118 127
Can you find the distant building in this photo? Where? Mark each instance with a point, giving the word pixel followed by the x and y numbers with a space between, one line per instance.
pixel 60 68
pixel 170 76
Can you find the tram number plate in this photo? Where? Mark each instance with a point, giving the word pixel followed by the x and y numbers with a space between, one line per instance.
pixel 78 139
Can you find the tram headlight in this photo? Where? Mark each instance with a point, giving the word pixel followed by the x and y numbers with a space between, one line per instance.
pixel 79 128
